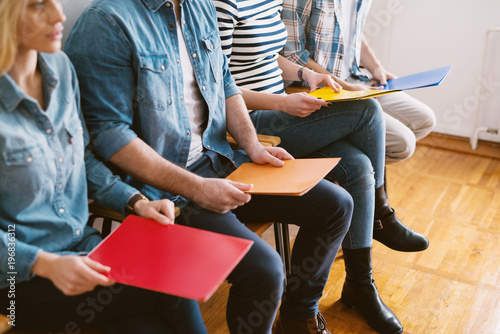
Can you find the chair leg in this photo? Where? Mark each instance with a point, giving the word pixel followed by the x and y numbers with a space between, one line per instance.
pixel 286 249
pixel 385 181
pixel 278 238
pixel 106 227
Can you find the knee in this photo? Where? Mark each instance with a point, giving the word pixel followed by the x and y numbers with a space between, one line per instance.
pixel 358 169
pixel 340 210
pixel 426 123
pixel 262 270
pixel 400 148
pixel 374 109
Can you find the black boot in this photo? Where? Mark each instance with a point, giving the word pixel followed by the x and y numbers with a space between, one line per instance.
pixel 390 231
pixel 361 292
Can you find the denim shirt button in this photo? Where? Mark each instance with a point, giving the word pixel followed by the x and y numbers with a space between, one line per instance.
pixel 29 159
pixel 78 232
pixel 60 186
pixel 208 146
pixel 178 61
pixel 188 133
pixel 61 210
pixel 48 131
pixel 167 4
pixel 172 26
pixel 182 98
pixel 60 159
pixel 163 67
pixel 193 55
pixel 203 88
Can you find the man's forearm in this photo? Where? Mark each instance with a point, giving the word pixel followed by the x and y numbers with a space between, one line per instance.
pixel 368 57
pixel 239 124
pixel 140 161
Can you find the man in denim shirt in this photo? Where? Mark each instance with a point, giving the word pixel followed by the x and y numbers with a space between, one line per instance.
pixel 157 97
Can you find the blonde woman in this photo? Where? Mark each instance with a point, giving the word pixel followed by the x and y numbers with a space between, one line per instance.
pixel 46 175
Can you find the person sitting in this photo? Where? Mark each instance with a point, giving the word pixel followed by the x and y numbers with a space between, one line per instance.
pixel 327 36
pixel 47 173
pixel 252 34
pixel 157 98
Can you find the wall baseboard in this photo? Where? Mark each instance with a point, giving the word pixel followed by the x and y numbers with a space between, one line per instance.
pixel 461 144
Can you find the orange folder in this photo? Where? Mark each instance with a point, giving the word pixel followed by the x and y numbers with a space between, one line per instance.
pixel 295 178
pixel 173 259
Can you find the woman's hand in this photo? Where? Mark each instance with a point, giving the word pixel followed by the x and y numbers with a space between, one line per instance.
pixel 72 274
pixel 163 211
pixel 301 104
pixel 317 80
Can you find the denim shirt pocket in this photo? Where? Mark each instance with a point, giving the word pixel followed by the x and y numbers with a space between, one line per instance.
pixel 212 46
pixel 153 88
pixel 22 157
pixel 75 132
pixel 23 169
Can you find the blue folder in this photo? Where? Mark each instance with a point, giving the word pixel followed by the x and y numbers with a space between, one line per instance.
pixel 418 80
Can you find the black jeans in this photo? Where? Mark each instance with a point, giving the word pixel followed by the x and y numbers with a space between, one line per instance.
pixel 118 309
pixel 323 214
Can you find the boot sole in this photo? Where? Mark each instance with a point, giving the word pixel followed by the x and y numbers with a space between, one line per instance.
pixel 352 306
pixel 403 250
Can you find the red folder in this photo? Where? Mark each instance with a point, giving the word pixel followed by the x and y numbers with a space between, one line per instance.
pixel 295 178
pixel 173 259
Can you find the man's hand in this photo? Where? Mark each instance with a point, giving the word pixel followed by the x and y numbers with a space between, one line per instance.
pixel 301 104
pixel 71 274
pixel 357 87
pixel 221 195
pixel 380 76
pixel 163 211
pixel 269 155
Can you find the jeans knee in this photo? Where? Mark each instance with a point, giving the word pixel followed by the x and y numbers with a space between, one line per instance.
pixel 374 109
pixel 359 169
pixel 267 272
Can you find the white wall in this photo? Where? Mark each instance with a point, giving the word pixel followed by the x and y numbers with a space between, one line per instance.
pixel 72 9
pixel 410 36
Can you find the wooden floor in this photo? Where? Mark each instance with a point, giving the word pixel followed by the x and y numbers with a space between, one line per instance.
pixel 452 287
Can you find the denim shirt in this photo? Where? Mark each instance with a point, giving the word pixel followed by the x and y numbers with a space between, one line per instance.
pixel 44 167
pixel 126 54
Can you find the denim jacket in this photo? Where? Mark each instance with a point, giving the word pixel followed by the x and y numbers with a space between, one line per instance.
pixel 126 54
pixel 44 166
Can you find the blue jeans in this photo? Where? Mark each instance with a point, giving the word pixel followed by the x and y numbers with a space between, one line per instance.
pixel 118 309
pixel 354 131
pixel 323 215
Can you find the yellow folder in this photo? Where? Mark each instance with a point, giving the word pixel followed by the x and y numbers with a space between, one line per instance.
pixel 327 94
pixel 295 178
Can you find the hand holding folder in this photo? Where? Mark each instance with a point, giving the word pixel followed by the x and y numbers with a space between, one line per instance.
pixel 173 259
pixel 418 80
pixel 295 178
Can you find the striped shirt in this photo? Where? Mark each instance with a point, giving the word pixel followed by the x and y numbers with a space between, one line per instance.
pixel 315 31
pixel 252 35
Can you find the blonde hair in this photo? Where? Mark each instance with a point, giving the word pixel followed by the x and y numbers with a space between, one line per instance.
pixel 10 14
